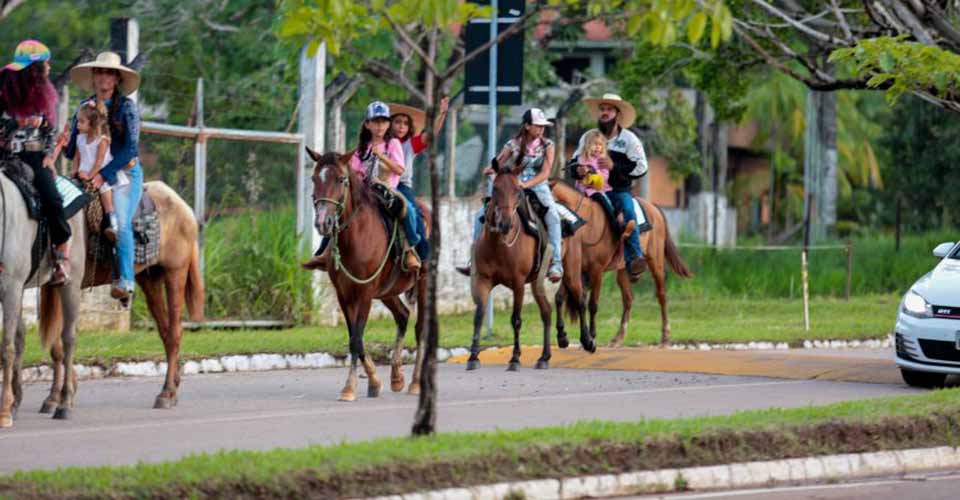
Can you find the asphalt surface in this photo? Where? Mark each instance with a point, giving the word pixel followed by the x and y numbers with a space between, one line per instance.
pixel 113 422
pixel 932 486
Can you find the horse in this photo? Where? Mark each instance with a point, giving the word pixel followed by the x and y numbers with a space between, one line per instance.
pixel 177 272
pixel 362 267
pixel 599 247
pixel 504 254
pixel 16 254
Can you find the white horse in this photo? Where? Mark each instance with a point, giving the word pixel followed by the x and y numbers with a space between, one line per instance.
pixel 16 243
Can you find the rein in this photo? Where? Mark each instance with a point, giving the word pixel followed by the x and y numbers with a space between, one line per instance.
pixel 338 227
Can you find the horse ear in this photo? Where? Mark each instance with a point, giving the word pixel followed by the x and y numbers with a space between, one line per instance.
pixel 313 154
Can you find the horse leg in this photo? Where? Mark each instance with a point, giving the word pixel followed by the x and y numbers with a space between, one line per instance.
pixel 176 284
pixel 353 312
pixel 56 360
pixel 12 298
pixel 400 315
pixel 660 279
pixel 419 329
pixel 562 340
pixel 481 294
pixel 70 302
pixel 595 284
pixel 541 297
pixel 576 293
pixel 626 299
pixel 517 321
pixel 17 366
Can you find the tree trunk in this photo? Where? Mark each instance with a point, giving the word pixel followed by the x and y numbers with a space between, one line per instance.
pixel 425 420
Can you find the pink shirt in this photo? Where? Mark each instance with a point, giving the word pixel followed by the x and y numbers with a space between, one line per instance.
pixel 594 165
pixel 394 152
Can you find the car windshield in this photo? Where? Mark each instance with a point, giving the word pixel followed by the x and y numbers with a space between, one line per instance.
pixel 956 253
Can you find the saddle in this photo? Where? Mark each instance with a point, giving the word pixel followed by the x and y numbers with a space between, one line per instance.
pixel 146 232
pixel 73 197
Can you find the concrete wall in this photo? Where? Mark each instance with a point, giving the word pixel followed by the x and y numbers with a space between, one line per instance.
pixel 99 311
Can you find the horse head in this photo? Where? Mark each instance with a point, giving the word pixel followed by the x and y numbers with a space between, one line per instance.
pixel 505 201
pixel 332 181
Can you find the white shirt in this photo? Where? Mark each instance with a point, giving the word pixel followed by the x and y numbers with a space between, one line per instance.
pixel 627 143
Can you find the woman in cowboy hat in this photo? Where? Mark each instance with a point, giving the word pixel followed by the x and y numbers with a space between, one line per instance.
pixel 111 82
pixel 628 162
pixel 406 124
pixel 28 104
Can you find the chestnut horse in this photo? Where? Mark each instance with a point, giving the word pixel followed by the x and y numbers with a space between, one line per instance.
pixel 598 249
pixel 178 270
pixel 504 254
pixel 362 267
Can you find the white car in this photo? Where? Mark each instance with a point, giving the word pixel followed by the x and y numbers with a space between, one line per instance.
pixel 928 323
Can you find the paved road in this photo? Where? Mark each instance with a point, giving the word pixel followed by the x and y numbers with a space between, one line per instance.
pixel 933 486
pixel 114 424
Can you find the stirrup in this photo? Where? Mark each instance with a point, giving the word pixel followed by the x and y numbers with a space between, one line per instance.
pixel 410 260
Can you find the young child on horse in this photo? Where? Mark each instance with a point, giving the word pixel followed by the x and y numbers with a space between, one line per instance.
pixel 93 152
pixel 378 159
pixel 530 153
pixel 406 124
pixel 594 177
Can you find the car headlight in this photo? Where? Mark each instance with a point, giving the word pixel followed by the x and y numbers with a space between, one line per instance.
pixel 916 306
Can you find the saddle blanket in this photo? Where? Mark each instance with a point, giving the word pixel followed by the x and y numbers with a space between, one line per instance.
pixel 74 198
pixel 643 223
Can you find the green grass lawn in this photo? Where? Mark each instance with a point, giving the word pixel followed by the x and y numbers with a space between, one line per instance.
pixel 278 469
pixel 692 320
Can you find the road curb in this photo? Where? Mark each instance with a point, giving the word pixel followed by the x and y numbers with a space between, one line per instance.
pixel 269 361
pixel 716 477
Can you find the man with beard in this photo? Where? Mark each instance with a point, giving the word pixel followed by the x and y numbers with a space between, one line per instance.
pixel 614 117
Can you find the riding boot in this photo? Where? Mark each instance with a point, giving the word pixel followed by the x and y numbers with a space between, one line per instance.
pixel 636 268
pixel 411 261
pixel 320 260
pixel 61 266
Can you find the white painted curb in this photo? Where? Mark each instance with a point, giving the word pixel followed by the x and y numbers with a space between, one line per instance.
pixel 717 477
pixel 265 362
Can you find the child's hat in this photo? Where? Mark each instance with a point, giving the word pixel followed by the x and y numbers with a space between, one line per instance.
pixel 377 109
pixel 27 53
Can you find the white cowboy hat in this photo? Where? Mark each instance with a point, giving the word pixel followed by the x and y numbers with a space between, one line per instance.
pixel 418 116
pixel 82 74
pixel 627 115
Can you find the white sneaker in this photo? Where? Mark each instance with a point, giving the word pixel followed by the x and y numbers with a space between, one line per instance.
pixel 555 273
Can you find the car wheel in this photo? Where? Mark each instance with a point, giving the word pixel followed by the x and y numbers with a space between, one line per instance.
pixel 927 380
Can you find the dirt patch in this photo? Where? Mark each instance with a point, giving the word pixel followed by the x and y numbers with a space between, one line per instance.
pixel 711 447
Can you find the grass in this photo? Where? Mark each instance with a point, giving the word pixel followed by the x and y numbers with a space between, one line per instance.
pixel 703 320
pixel 734 435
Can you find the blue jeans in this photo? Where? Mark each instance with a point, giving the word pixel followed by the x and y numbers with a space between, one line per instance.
pixel 125 201
pixel 623 202
pixel 413 223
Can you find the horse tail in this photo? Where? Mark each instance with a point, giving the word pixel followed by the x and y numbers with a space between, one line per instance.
pixel 672 254
pixel 572 304
pixel 194 288
pixel 51 316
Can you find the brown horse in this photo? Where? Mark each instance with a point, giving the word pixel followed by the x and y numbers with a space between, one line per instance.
pixel 178 269
pixel 362 267
pixel 504 254
pixel 598 249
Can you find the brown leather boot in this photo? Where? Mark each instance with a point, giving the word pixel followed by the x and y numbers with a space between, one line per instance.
pixel 318 262
pixel 61 266
pixel 628 229
pixel 637 267
pixel 411 261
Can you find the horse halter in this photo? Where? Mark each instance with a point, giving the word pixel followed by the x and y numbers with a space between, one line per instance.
pixel 338 205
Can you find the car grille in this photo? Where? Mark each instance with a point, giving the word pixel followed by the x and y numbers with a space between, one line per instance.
pixel 946 312
pixel 906 348
pixel 939 349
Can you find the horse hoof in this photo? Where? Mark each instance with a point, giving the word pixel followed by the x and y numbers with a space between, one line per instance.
pixel 563 342
pixel 513 366
pixel 414 389
pixel 589 346
pixel 48 407
pixel 347 397
pixel 373 390
pixel 473 364
pixel 542 364
pixel 62 414
pixel 162 403
pixel 6 422
pixel 397 385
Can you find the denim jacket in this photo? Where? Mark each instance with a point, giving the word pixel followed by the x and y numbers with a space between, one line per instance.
pixel 124 146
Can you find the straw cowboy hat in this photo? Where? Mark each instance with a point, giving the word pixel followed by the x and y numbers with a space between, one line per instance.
pixel 627 115
pixel 418 116
pixel 82 74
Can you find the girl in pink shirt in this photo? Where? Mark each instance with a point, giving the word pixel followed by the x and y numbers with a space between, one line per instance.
pixel 379 155
pixel 593 177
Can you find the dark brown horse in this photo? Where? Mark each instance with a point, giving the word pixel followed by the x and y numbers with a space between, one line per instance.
pixel 177 273
pixel 362 267
pixel 599 247
pixel 504 254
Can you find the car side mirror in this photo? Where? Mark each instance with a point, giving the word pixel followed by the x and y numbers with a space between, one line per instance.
pixel 943 250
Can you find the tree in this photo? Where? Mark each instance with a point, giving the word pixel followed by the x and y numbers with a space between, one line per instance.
pixel 420 29
pixel 7 6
